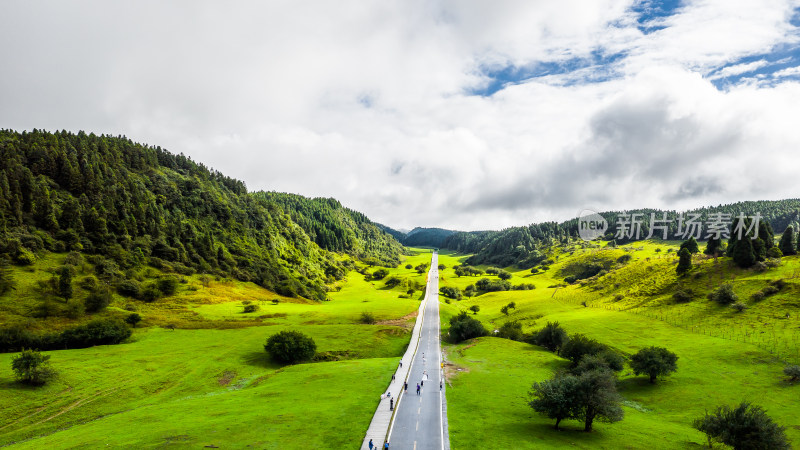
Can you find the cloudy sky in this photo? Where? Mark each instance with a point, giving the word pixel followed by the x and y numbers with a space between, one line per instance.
pixel 450 113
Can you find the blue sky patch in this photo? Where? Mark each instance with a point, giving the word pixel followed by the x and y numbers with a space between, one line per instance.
pixel 511 75
pixel 652 12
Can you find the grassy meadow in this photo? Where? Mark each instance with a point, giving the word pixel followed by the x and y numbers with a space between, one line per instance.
pixel 209 381
pixel 724 356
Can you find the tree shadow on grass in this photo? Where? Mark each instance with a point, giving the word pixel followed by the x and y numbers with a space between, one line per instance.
pixel 260 359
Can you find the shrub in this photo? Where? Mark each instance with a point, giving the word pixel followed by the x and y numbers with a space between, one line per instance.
pixel 133 319
pixel 551 337
pixel 451 292
pixel 130 288
pixel 624 258
pixel 683 295
pixel 774 252
pixel 738 306
pixel 511 330
pixel 409 266
pixel 98 299
pixel 250 308
pixel 578 346
pixel 290 347
pixel 606 360
pixel 25 257
pixel 31 367
pixel 503 275
pixel 463 327
pixel 96 332
pixel 474 309
pixel 757 296
pixel 793 372
pixel 167 285
pixel 151 293
pixel 654 362
pixel 743 427
pixel 367 318
pixel 393 281
pixel 73 259
pixel 724 295
pixel 380 274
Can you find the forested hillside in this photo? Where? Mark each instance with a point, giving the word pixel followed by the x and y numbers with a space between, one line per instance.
pixel 523 246
pixel 135 205
pixel 336 228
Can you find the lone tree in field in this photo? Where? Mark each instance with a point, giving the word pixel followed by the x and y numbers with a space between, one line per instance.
pixel 690 245
pixel 788 244
pixel 654 362
pixel 743 427
pixel 474 309
pixel 685 262
pixel 32 367
pixel 503 275
pixel 290 347
pixel 551 337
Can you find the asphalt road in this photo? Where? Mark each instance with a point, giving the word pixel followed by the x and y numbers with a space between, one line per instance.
pixel 420 422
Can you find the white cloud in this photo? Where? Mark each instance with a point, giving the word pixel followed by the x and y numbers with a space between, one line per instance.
pixel 369 103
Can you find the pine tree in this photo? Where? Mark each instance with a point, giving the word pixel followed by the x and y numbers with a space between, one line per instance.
pixel 713 247
pixel 788 243
pixel 685 262
pixel 743 255
pixel 691 245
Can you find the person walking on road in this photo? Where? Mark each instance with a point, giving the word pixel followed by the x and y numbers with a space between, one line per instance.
pixel 392 378
pixel 422 383
pixel 386 446
pixel 371 444
pixel 440 385
pixel 418 388
pixel 391 404
pixel 405 386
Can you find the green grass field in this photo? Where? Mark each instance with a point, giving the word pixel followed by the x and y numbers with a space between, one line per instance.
pixel 210 382
pixel 719 363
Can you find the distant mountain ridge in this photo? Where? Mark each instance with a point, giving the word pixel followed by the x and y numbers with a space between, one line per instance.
pixel 420 237
pixel 522 245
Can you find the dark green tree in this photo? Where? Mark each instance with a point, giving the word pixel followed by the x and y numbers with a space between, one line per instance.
pixel 744 427
pixel 598 398
pixel 503 275
pixel 65 282
pixel 713 247
pixel 684 261
pixel 290 347
pixel 788 244
pixel 690 245
pixel 578 346
pixel 463 327
pixel 556 398
pixel 132 319
pixel 474 309
pixel 32 367
pixel 654 362
pixel 743 253
pixel 552 337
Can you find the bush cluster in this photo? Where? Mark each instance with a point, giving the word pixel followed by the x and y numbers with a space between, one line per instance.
pixel 96 332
